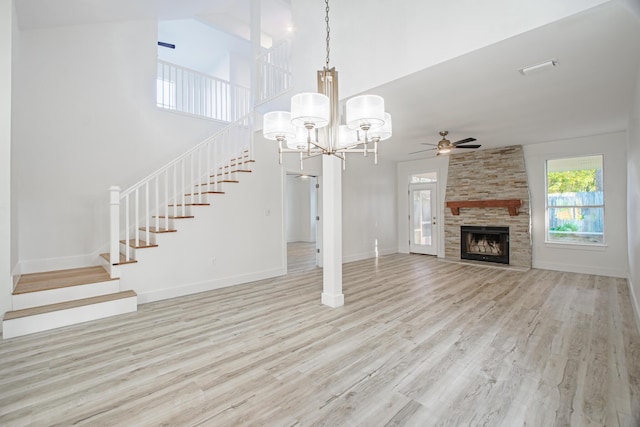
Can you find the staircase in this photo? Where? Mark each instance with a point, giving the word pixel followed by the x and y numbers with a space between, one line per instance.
pixel 152 207
pixel 54 299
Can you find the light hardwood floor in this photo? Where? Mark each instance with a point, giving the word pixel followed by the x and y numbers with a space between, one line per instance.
pixel 419 342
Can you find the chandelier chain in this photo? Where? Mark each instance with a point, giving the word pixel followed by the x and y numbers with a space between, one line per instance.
pixel 326 19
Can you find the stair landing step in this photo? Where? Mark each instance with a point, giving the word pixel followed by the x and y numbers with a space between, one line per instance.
pixel 10 315
pixel 191 204
pixel 36 282
pixel 122 260
pixel 174 217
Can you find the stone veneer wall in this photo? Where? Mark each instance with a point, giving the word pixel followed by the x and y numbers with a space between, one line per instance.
pixel 486 175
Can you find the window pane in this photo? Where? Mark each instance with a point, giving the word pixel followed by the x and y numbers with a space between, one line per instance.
pixel 423 177
pixel 576 225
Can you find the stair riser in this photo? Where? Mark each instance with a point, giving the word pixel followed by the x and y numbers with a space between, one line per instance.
pixel 58 319
pixel 53 296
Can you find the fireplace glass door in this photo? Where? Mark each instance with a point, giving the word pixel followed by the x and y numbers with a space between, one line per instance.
pixel 423 231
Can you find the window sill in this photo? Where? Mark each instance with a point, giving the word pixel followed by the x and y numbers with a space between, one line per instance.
pixel 577 246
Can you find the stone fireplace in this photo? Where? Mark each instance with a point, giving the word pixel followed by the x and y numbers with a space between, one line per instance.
pixel 489 188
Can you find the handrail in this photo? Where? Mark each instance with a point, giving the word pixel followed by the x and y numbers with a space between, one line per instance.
pixel 152 175
pixel 162 195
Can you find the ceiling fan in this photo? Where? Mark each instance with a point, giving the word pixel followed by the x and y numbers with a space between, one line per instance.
pixel 444 146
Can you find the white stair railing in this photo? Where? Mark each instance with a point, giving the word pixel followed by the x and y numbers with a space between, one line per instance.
pixel 149 205
pixel 274 72
pixel 189 91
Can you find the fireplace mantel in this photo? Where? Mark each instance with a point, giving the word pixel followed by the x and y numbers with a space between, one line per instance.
pixel 511 204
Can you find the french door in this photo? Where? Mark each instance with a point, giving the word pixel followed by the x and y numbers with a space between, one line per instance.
pixel 423 231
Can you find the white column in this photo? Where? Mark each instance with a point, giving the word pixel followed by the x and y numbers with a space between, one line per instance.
pixel 332 232
pixel 8 251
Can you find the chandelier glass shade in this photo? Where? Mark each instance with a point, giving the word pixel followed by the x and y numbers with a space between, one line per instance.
pixel 366 121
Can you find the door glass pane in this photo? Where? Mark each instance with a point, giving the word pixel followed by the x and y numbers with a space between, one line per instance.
pixel 422 217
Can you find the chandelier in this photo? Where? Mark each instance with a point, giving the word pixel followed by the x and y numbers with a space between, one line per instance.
pixel 298 131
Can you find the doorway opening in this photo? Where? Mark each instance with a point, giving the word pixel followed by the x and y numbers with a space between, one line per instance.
pixel 301 219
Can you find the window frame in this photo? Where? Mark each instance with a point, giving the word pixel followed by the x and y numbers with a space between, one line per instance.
pixel 547 231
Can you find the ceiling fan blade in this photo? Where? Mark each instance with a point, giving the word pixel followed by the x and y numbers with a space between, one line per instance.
pixel 426 143
pixel 422 151
pixel 463 141
pixel 469 146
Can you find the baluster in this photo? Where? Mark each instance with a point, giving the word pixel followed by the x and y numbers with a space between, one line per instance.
pixel 137 217
pixel 191 178
pixel 175 192
pixel 114 247
pixel 184 201
pixel 147 214
pixel 166 200
pixel 209 164
pixel 200 174
pixel 156 209
pixel 126 227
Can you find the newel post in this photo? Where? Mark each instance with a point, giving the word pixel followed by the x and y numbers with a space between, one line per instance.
pixel 114 215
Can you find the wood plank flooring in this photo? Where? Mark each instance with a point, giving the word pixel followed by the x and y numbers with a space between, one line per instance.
pixel 419 342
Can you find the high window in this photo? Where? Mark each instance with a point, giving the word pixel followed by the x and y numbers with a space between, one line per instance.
pixel 575 200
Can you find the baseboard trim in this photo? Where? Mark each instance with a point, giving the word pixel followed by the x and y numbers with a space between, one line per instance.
pixel 586 269
pixel 367 255
pixel 635 302
pixel 209 285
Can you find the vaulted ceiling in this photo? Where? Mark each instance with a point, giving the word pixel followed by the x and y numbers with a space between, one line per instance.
pixel 480 94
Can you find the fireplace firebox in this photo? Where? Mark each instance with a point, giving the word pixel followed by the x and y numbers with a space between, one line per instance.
pixel 489 244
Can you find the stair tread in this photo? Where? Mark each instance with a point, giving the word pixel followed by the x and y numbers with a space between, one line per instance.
pixel 156 230
pixel 141 244
pixel 9 315
pixel 192 204
pixel 230 172
pixel 204 192
pixel 175 217
pixel 121 261
pixel 48 280
pixel 234 181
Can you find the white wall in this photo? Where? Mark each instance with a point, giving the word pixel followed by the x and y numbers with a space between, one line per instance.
pixel 608 260
pixel 238 239
pixel 440 165
pixel 633 201
pixel 371 58
pixel 369 213
pixel 6 247
pixel 85 119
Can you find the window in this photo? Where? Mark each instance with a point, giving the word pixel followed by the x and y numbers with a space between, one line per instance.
pixel 575 200
pixel 423 178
